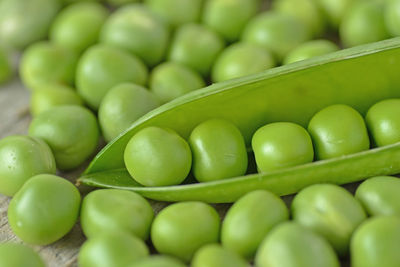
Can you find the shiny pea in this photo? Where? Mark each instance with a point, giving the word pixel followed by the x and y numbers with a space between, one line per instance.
pixel 18 255
pixel 215 255
pixel 392 17
pixel 159 261
pixel 310 49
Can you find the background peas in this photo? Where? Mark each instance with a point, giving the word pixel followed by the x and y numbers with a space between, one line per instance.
pixel 392 17
pixel 159 260
pixel 334 10
pixel 310 49
pixel 17 255
pixel 5 65
pixel 215 255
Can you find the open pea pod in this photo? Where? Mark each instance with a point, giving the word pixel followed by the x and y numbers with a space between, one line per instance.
pixel 359 77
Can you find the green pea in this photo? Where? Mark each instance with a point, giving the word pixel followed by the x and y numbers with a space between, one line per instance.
pixel 123 105
pixel 6 70
pixel 196 46
pixel 171 80
pixel 229 17
pixel 334 10
pixel 78 26
pixel 280 145
pixel 23 22
pixel 330 211
pixel 338 130
pixel 110 210
pixel 290 244
pixel 158 157
pixel 51 95
pixel 102 67
pixel 176 12
pixel 70 131
pixel 380 195
pixel 241 59
pixel 22 157
pixel 17 255
pixel 182 228
pixel 117 249
pixel 44 209
pixel 120 2
pixel 214 255
pixel 218 150
pixel 159 261
pixel 363 23
pixel 383 122
pixel 277 32
pixel 138 30
pixel 392 17
pixel 310 49
pixel 45 62
pixel 376 243
pixel 250 219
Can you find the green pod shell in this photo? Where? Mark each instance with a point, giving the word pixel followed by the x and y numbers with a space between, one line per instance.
pixel 6 71
pixel 18 255
pixel 215 255
pixel 158 261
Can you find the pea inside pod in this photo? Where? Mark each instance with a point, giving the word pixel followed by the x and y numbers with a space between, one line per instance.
pixel 392 17
pixel 215 255
pixel 310 49
pixel 158 261
pixel 18 255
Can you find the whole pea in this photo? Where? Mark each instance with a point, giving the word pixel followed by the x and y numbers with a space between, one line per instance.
pixel 138 30
pixel 44 209
pixel 334 10
pixel 280 145
pixel 383 122
pixel 219 151
pixel 392 17
pixel 310 49
pixel 102 67
pixel 171 80
pixel 380 195
pixel 18 255
pixel 250 219
pixel 51 95
pixel 109 210
pixel 22 157
pixel 78 26
pixel 241 59
pixel 158 261
pixel 214 255
pixel 43 63
pixel 6 70
pixel 338 130
pixel 196 46
pixel 182 228
pixel 376 243
pixel 330 211
pixel 290 244
pixel 70 131
pixel 277 32
pixel 117 249
pixel 158 157
pixel 123 105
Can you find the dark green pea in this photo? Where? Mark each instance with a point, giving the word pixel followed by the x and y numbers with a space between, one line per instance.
pixel 158 261
pixel 392 17
pixel 78 26
pixel 280 145
pixel 218 150
pixel 22 157
pixel 290 244
pixel 44 209
pixel 6 70
pixel 196 46
pixel 241 59
pixel 123 105
pixel 18 255
pixel 380 195
pixel 310 49
pixel 376 243
pixel 214 255
pixel 338 130
pixel 250 219
pixel 138 30
pixel 330 211
pixel 70 131
pixel 44 63
pixel 383 122
pixel 110 210
pixel 158 157
pixel 182 228
pixel 102 67
pixel 334 10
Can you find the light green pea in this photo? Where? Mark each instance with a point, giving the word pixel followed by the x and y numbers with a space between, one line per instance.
pixel 338 130
pixel 171 80
pixel 159 261
pixel 330 211
pixel 70 131
pixel 123 105
pixel 250 219
pixel 290 245
pixel 18 255
pixel 214 255
pixel 6 71
pixel 158 157
pixel 22 157
pixel 334 10
pixel 310 49
pixel 44 209
pixel 241 59
pixel 392 17
pixel 218 150
pixel 182 228
pixel 281 145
